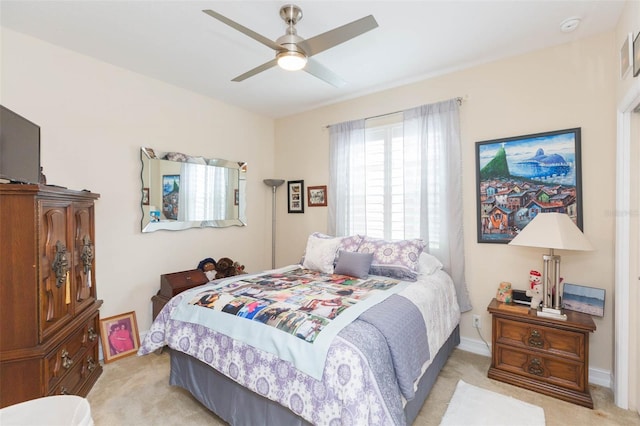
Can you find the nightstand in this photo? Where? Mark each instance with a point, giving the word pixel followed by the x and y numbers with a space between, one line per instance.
pixel 541 354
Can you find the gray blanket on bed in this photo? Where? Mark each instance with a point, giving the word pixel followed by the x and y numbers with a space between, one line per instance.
pixel 406 336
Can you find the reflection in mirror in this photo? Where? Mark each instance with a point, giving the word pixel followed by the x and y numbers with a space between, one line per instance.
pixel 181 192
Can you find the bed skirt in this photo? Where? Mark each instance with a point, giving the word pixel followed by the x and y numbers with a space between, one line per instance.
pixel 237 405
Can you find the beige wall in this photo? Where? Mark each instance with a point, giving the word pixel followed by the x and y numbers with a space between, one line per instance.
pixel 94 118
pixel 572 85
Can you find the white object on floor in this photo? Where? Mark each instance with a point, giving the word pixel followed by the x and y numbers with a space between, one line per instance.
pixel 471 405
pixel 58 410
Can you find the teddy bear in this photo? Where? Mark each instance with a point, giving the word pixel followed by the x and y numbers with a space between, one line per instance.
pixel 535 292
pixel 225 268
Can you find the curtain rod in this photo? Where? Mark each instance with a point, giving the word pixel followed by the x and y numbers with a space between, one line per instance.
pixel 459 99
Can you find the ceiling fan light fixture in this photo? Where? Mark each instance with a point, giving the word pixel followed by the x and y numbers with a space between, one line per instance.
pixel 291 60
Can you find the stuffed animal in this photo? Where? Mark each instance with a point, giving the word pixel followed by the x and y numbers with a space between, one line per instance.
pixel 504 292
pixel 239 268
pixel 225 268
pixel 536 291
pixel 208 266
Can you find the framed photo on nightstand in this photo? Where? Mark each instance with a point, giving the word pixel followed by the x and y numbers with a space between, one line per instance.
pixel 589 300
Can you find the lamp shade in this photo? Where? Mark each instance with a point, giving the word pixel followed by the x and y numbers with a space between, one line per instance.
pixel 273 182
pixel 552 231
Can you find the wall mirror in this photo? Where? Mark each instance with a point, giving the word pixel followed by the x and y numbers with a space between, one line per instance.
pixel 181 192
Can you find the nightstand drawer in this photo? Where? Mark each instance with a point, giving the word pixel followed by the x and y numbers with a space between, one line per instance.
pixel 556 371
pixel 552 341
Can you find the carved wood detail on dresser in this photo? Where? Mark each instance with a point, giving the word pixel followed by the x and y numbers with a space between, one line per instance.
pixel 50 313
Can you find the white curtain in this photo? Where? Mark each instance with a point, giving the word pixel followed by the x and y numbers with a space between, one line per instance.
pixel 432 186
pixel 346 172
pixel 203 192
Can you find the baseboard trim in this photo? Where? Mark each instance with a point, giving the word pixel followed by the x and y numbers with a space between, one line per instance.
pixel 597 376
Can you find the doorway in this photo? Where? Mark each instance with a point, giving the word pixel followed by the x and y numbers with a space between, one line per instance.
pixel 627 259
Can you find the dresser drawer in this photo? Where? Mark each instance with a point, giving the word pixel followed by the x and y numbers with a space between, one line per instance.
pixel 74 381
pixel 556 371
pixel 553 341
pixel 69 356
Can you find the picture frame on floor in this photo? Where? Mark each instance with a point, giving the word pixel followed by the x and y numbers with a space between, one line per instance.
pixel 119 336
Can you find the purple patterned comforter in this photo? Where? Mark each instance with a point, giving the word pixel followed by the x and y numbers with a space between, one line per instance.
pixel 360 383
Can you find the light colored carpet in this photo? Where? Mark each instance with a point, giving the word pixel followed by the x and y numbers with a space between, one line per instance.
pixel 136 391
pixel 474 406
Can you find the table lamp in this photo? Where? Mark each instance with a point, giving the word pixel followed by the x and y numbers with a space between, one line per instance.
pixel 555 231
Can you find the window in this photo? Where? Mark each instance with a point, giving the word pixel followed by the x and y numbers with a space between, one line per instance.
pixel 399 177
pixel 391 193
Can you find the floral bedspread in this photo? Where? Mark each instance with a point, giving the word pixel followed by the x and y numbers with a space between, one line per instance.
pixel 359 384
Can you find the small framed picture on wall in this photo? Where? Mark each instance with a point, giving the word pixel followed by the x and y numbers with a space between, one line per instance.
pixel 626 56
pixel 295 195
pixel 636 55
pixel 317 196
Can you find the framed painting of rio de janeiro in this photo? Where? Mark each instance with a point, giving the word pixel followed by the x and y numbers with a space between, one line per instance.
pixel 521 176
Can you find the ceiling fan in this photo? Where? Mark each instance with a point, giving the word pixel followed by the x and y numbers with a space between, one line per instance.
pixel 293 52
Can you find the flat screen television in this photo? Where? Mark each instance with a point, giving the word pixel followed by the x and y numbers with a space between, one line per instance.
pixel 19 148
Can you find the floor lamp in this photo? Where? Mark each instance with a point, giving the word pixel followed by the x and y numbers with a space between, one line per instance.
pixel 274 184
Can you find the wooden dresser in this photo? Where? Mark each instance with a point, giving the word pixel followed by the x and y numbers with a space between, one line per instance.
pixel 49 314
pixel 542 354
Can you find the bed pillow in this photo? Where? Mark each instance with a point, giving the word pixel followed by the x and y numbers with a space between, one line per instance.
pixel 349 243
pixel 353 264
pixel 428 264
pixel 394 259
pixel 320 254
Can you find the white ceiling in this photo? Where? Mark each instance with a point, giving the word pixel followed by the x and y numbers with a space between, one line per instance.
pixel 174 41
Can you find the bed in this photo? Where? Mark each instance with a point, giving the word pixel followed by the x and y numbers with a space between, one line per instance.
pixel 381 348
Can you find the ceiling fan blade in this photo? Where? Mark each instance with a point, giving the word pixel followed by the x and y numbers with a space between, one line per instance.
pixel 272 63
pixel 323 73
pixel 334 37
pixel 254 35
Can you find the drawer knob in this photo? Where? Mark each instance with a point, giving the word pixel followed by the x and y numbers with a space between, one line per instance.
pixel 91 364
pixel 535 339
pixel 535 367
pixel 67 362
pixel 92 334
pixel 64 391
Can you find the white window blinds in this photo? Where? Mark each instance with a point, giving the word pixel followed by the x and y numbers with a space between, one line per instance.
pixel 400 178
